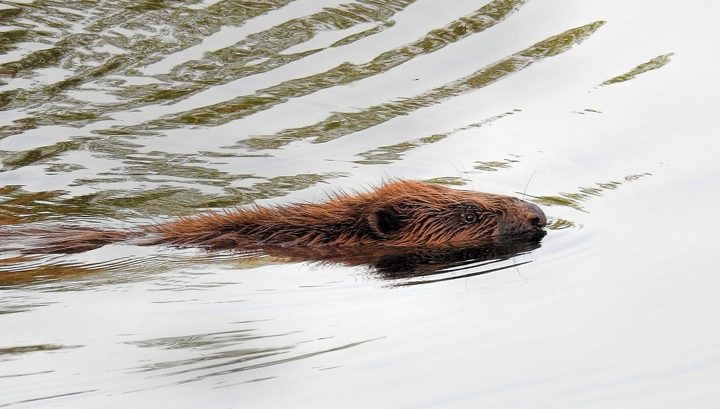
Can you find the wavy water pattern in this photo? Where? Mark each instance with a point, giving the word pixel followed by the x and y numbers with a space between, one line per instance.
pixel 341 124
pixel 347 73
pixel 116 114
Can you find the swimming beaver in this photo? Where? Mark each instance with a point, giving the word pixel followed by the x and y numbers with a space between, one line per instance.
pixel 399 214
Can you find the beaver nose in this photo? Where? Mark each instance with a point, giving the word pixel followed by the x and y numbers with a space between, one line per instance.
pixel 534 218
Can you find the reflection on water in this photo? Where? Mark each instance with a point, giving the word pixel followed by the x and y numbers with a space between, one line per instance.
pixel 406 263
pixel 583 194
pixel 117 113
pixel 54 273
pixel 211 363
pixel 434 266
pixel 8 352
pixel 654 64
pixel 392 153
pixel 341 124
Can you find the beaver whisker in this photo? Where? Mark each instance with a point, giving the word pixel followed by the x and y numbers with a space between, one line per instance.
pixel 528 184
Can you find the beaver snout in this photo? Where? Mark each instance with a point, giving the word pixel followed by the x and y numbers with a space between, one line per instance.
pixel 526 220
pixel 532 218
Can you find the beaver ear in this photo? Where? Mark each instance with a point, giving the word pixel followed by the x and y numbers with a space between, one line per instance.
pixel 385 221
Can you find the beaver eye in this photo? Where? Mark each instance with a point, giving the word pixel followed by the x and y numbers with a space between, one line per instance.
pixel 469 217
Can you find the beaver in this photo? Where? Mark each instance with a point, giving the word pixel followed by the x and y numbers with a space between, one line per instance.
pixel 398 214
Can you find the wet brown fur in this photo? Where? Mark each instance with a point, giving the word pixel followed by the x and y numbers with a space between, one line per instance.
pixel 399 214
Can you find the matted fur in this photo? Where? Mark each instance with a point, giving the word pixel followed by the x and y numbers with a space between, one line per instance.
pixel 397 214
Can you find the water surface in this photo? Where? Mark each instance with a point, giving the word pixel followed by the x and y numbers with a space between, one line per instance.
pixel 114 113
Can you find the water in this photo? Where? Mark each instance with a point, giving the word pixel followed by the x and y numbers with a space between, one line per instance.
pixel 114 113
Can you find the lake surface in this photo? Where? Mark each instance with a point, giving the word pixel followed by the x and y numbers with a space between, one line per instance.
pixel 604 113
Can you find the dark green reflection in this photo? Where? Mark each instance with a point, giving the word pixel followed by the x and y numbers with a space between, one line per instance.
pixel 345 73
pixel 24 349
pixel 106 24
pixel 495 165
pixel 583 194
pixel 391 153
pixel 657 62
pixel 344 123
pixel 20 206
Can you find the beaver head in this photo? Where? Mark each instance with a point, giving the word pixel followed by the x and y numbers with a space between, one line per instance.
pixel 410 213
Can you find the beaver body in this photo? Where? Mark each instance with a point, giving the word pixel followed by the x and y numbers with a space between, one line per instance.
pixel 399 214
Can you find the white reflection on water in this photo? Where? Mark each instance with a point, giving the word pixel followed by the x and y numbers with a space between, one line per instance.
pixel 617 309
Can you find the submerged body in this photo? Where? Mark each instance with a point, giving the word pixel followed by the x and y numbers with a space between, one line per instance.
pixel 399 214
